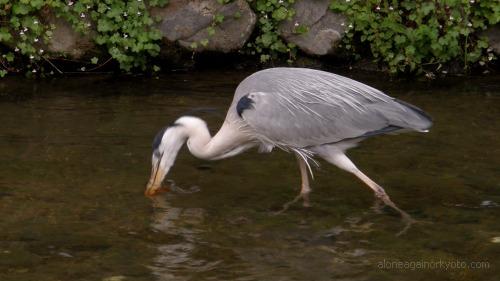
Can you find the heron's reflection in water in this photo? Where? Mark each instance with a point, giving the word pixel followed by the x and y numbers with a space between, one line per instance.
pixel 176 258
pixel 273 254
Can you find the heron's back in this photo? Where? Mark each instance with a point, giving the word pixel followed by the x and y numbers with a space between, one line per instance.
pixel 309 107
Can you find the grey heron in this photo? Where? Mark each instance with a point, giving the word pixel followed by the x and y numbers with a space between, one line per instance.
pixel 307 112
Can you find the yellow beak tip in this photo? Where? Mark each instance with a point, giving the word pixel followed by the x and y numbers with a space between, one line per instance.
pixel 152 191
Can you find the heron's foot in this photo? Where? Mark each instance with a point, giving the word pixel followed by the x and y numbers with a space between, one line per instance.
pixel 378 206
pixel 305 202
pixel 382 199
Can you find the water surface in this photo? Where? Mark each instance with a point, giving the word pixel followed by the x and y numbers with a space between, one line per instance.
pixel 75 158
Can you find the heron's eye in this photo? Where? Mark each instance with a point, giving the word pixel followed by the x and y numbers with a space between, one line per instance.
pixel 157 153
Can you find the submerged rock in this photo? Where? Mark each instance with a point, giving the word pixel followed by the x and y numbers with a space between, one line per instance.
pixel 323 28
pixel 206 24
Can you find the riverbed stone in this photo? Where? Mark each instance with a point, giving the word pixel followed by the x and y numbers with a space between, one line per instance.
pixel 493 35
pixel 324 28
pixel 190 24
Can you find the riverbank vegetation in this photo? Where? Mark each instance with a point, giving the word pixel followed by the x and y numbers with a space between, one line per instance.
pixel 410 37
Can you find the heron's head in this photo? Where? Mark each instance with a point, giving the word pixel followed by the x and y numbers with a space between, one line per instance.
pixel 166 145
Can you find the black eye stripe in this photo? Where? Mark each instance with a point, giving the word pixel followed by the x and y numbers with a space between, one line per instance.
pixel 159 136
pixel 157 139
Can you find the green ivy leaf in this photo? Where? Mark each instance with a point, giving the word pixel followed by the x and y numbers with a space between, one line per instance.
pixel 211 31
pixel 264 58
pixel 267 39
pixel 5 35
pixel 20 9
pixel 218 18
pixel 9 57
pixel 301 29
pixel 280 14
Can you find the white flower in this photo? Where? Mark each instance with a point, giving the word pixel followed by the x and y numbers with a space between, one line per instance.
pixel 139 13
pixel 16 49
pixel 83 68
pixel 41 51
pixel 125 14
pixel 440 26
pixel 25 29
pixel 280 1
pixel 472 1
pixel 469 24
pixel 34 71
pixel 125 35
pixel 32 57
pixel 82 15
pixel 88 24
pixel 88 7
pixel 348 1
pixel 377 8
pixel 35 22
pixel 342 24
pixel 296 24
pixel 391 8
pixel 482 63
pixel 70 3
pixel 452 18
pixel 444 71
pixel 265 16
pixel 36 39
pixel 350 25
pixel 21 32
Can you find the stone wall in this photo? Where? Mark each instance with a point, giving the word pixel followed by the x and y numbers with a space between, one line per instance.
pixel 185 24
pixel 188 23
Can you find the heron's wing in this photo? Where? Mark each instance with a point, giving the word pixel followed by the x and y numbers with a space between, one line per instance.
pixel 316 107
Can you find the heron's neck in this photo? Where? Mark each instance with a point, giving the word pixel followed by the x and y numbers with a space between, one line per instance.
pixel 224 144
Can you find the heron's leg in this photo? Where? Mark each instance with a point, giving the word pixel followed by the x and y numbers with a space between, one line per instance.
pixel 305 189
pixel 340 160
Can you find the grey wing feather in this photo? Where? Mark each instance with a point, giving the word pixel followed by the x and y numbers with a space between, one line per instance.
pixel 303 107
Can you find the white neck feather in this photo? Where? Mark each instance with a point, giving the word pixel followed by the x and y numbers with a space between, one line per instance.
pixel 227 142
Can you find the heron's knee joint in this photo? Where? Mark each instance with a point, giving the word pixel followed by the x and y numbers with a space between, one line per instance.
pixel 305 190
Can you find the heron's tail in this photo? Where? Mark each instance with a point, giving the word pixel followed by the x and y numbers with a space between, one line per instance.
pixel 403 117
pixel 418 119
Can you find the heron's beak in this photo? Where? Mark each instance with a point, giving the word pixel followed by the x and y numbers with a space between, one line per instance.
pixel 154 185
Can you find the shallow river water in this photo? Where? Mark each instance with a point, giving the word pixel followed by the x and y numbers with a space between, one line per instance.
pixel 75 158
